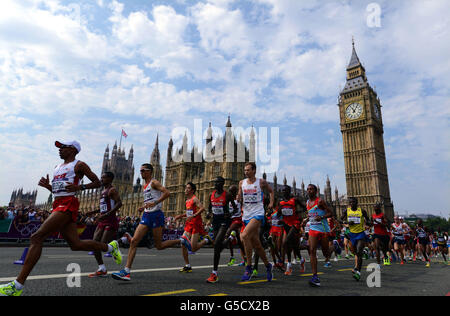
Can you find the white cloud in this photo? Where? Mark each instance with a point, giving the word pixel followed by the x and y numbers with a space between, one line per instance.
pixel 266 61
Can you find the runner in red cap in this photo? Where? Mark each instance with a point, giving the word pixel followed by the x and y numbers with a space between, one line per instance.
pixel 65 184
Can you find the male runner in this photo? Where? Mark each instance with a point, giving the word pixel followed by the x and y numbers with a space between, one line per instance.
pixel 399 230
pixel 193 227
pixel 276 232
pixel 66 177
pixel 332 241
pixel 251 197
pixel 381 234
pixel 152 218
pixel 234 232
pixel 356 219
pixel 423 240
pixel 219 209
pixel 318 213
pixel 107 222
pixel 442 244
pixel 289 207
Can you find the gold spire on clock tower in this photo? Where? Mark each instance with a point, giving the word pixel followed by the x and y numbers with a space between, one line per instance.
pixel 362 133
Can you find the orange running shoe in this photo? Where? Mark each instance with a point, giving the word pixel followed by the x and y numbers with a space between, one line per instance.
pixel 288 270
pixel 213 278
pixel 98 274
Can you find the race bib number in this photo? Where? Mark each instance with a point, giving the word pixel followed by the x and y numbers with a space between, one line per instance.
pixel 275 222
pixel 103 208
pixel 378 221
pixel 354 219
pixel 250 198
pixel 217 210
pixel 58 186
pixel 147 196
pixel 312 221
pixel 287 211
pixel 189 213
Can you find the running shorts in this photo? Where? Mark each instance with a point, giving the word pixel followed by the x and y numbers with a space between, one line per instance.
pixel 276 231
pixel 195 227
pixel 153 219
pixel 68 204
pixel 383 238
pixel 354 238
pixel 317 234
pixel 423 241
pixel 399 241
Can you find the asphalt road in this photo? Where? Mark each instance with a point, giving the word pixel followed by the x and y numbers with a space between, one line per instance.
pixel 156 273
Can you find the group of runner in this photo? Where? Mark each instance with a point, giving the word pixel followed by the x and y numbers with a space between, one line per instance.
pixel 243 215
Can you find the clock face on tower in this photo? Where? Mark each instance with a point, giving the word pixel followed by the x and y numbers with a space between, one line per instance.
pixel 354 111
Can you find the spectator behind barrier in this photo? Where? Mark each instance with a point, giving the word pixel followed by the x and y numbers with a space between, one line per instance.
pixel 3 214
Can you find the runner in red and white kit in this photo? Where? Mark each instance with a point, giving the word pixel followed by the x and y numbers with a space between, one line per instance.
pixel 65 184
pixel 107 222
pixel 289 208
pixel 276 234
pixel 381 235
pixel 194 225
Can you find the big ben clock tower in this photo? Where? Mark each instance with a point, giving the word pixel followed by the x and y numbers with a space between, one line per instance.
pixel 362 134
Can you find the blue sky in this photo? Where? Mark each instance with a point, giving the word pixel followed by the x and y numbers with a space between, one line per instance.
pixel 85 69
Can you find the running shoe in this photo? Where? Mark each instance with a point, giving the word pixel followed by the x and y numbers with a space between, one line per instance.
pixel 347 256
pixel 213 278
pixel 122 275
pixel 302 264
pixel 402 262
pixel 186 269
pixel 254 273
pixel 128 237
pixel 208 239
pixel 186 243
pixel 357 275
pixel 10 290
pixel 269 272
pixel 117 255
pixel 428 264
pixel 241 264
pixel 288 270
pixel 98 273
pixel 232 262
pixel 327 265
pixel 280 266
pixel 314 281
pixel 247 274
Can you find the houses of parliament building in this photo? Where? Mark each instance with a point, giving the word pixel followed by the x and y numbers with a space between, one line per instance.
pixel 364 156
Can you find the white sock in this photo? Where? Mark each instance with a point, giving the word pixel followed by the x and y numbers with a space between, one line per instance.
pixel 127 270
pixel 102 268
pixel 124 240
pixel 215 272
pixel 18 285
pixel 110 248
